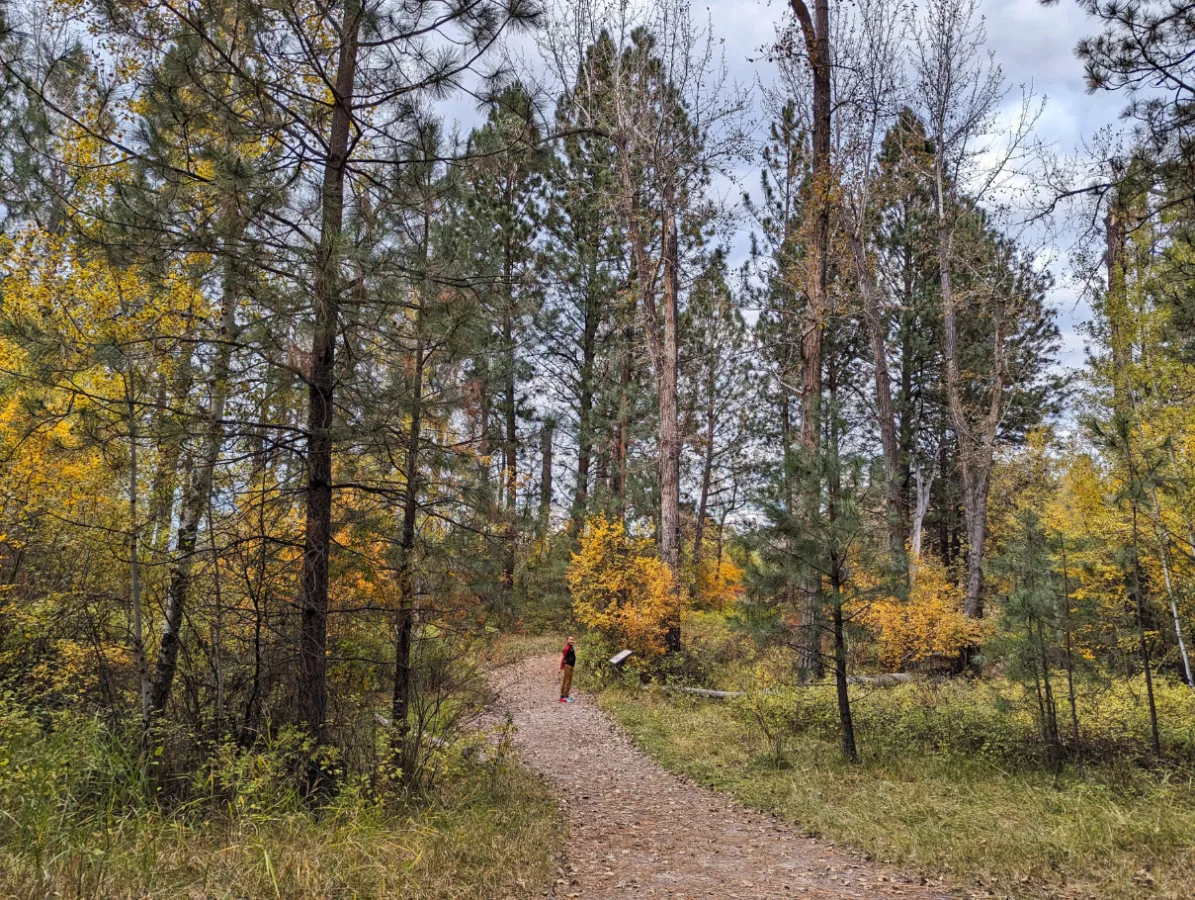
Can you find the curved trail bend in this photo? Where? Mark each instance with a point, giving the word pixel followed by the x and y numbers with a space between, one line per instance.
pixel 636 830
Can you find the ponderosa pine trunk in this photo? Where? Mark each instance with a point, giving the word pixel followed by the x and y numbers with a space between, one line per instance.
pixel 510 470
pixel 846 721
pixel 669 421
pixel 404 748
pixel 405 751
pixel 622 432
pixel 842 685
pixel 707 470
pixel 1143 615
pixel 662 346
pixel 816 32
pixel 975 510
pixel 585 416
pixel 644 280
pixel 312 700
pixel 545 477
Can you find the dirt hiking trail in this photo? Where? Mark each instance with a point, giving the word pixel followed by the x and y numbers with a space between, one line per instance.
pixel 636 830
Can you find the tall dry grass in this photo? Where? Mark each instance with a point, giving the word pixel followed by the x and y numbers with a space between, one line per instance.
pixel 77 820
pixel 936 794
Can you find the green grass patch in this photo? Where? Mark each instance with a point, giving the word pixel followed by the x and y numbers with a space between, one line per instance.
pixel 1111 831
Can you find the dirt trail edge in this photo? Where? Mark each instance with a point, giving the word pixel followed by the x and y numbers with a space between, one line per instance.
pixel 636 830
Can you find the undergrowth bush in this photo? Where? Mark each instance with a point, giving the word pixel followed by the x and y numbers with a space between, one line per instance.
pixel 712 647
pixel 78 817
pixel 992 719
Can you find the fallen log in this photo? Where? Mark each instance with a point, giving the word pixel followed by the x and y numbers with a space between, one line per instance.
pixel 699 692
pixel 890 679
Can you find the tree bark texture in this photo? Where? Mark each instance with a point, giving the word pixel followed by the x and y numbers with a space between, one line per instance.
pixel 312 700
pixel 816 33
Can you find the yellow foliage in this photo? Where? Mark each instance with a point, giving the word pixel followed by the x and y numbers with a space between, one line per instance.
pixel 931 622
pixel 719 583
pixel 620 588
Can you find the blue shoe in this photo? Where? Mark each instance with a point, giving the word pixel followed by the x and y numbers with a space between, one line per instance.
pixel 569 700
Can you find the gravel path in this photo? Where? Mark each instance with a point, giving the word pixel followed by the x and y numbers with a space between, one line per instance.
pixel 636 830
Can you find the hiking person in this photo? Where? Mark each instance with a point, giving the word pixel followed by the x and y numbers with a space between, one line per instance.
pixel 568 659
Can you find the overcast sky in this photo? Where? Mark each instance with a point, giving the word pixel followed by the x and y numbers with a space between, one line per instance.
pixel 1037 44
pixel 1033 44
pixel 1035 47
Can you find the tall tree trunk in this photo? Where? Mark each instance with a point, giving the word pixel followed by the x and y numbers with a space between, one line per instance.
pixel 837 564
pixel 924 492
pixel 1053 744
pixel 545 477
pixel 1116 301
pixel 510 467
pixel 135 598
pixel 404 747
pixel 971 601
pixel 217 624
pixel 1142 615
pixel 485 445
pixel 975 511
pixel 197 498
pixel 885 412
pixel 976 441
pixel 662 348
pixel 165 480
pixel 622 432
pixel 405 751
pixel 602 478
pixel 841 684
pixel 313 601
pixel 908 408
pixel 707 469
pixel 644 278
pixel 585 415
pixel 816 32
pixel 1070 661
pixel 669 423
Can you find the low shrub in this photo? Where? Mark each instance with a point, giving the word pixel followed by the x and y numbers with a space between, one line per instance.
pixel 994 719
pixel 78 818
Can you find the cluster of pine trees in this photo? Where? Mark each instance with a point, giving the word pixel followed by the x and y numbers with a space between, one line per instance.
pixel 300 389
